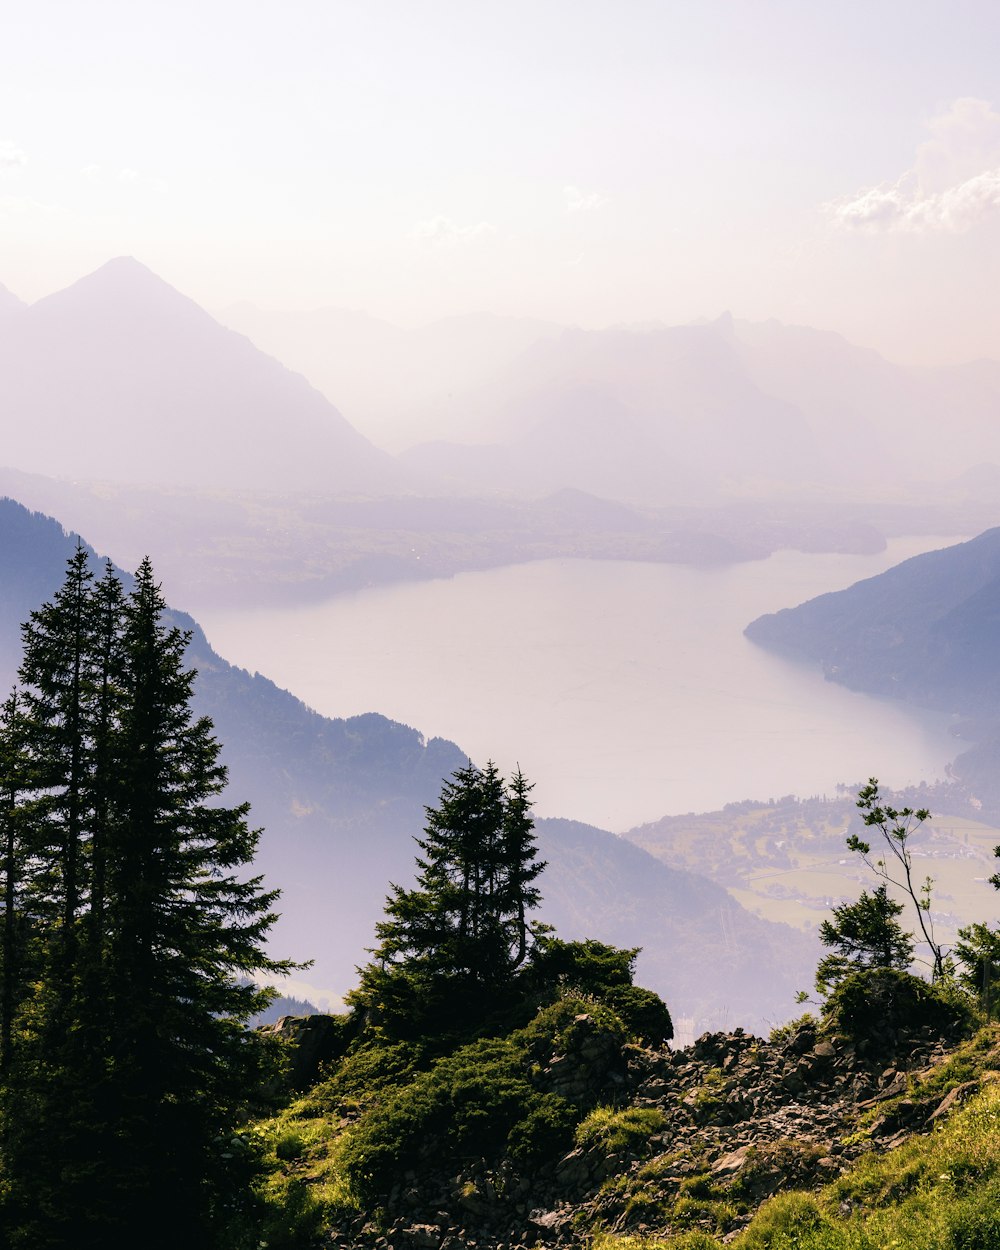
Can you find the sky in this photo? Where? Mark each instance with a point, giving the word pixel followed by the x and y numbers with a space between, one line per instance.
pixel 590 162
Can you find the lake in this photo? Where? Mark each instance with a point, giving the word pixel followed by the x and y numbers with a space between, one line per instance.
pixel 625 691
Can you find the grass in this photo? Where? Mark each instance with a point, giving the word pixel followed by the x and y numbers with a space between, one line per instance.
pixel 613 1131
pixel 940 1191
pixel 304 1188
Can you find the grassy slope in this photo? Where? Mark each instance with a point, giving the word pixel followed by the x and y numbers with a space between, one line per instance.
pixel 939 1191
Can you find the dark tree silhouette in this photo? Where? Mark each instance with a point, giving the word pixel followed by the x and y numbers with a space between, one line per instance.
pixel 863 934
pixel 127 1059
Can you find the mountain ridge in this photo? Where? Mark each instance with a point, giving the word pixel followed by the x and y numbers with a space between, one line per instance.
pixel 122 377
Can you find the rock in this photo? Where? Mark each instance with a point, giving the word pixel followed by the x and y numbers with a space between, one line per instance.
pixel 425 1236
pixel 803 1039
pixel 545 1219
pixel 573 1170
pixel 312 1040
pixel 730 1164
pixel 954 1098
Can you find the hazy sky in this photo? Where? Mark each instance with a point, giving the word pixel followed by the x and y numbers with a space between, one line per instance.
pixel 833 162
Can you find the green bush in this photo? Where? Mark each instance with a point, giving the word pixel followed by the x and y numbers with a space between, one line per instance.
pixel 613 1131
pixel 367 1072
pixel 542 1132
pixel 561 1026
pixel 643 1013
pixel 877 1003
pixel 482 1101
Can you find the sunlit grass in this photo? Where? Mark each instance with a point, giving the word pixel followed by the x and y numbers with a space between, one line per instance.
pixel 940 1191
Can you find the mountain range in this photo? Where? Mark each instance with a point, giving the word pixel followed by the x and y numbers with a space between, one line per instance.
pixel 133 416
pixel 122 378
pixel 647 413
pixel 924 632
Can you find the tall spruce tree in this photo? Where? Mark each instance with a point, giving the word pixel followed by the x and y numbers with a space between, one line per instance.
pixel 129 1057
pixel 453 944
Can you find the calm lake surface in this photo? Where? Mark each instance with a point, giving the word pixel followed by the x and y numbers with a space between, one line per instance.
pixel 626 691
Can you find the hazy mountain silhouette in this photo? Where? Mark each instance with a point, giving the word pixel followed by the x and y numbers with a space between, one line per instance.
pixel 879 421
pixel 121 377
pixel 690 413
pixel 340 801
pixel 398 386
pixel 655 416
pixel 703 951
pixel 925 631
pixel 9 302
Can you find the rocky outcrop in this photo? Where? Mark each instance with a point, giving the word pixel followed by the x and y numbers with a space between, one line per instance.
pixel 310 1043
pixel 736 1117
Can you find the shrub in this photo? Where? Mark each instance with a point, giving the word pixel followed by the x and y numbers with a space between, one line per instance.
pixel 643 1013
pixel 367 1072
pixel 877 1003
pixel 561 1026
pixel 542 1132
pixel 482 1101
pixel 613 1131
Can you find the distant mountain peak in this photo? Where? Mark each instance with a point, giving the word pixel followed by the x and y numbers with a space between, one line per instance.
pixel 121 285
pixel 125 264
pixel 9 302
pixel 121 376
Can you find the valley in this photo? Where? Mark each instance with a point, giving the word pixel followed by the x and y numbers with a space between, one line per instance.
pixel 499 626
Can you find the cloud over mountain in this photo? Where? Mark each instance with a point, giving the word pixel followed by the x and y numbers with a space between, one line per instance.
pixel 953 186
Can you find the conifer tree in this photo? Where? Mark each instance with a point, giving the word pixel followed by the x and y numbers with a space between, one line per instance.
pixel 462 933
pixel 183 926
pixel 55 676
pixel 863 934
pixel 127 1054
pixel 14 781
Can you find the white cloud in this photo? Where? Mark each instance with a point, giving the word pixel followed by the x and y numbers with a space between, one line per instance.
pixel 444 232
pixel 578 202
pixel 965 140
pixel 128 175
pixel 906 207
pixel 11 156
pixel 953 186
